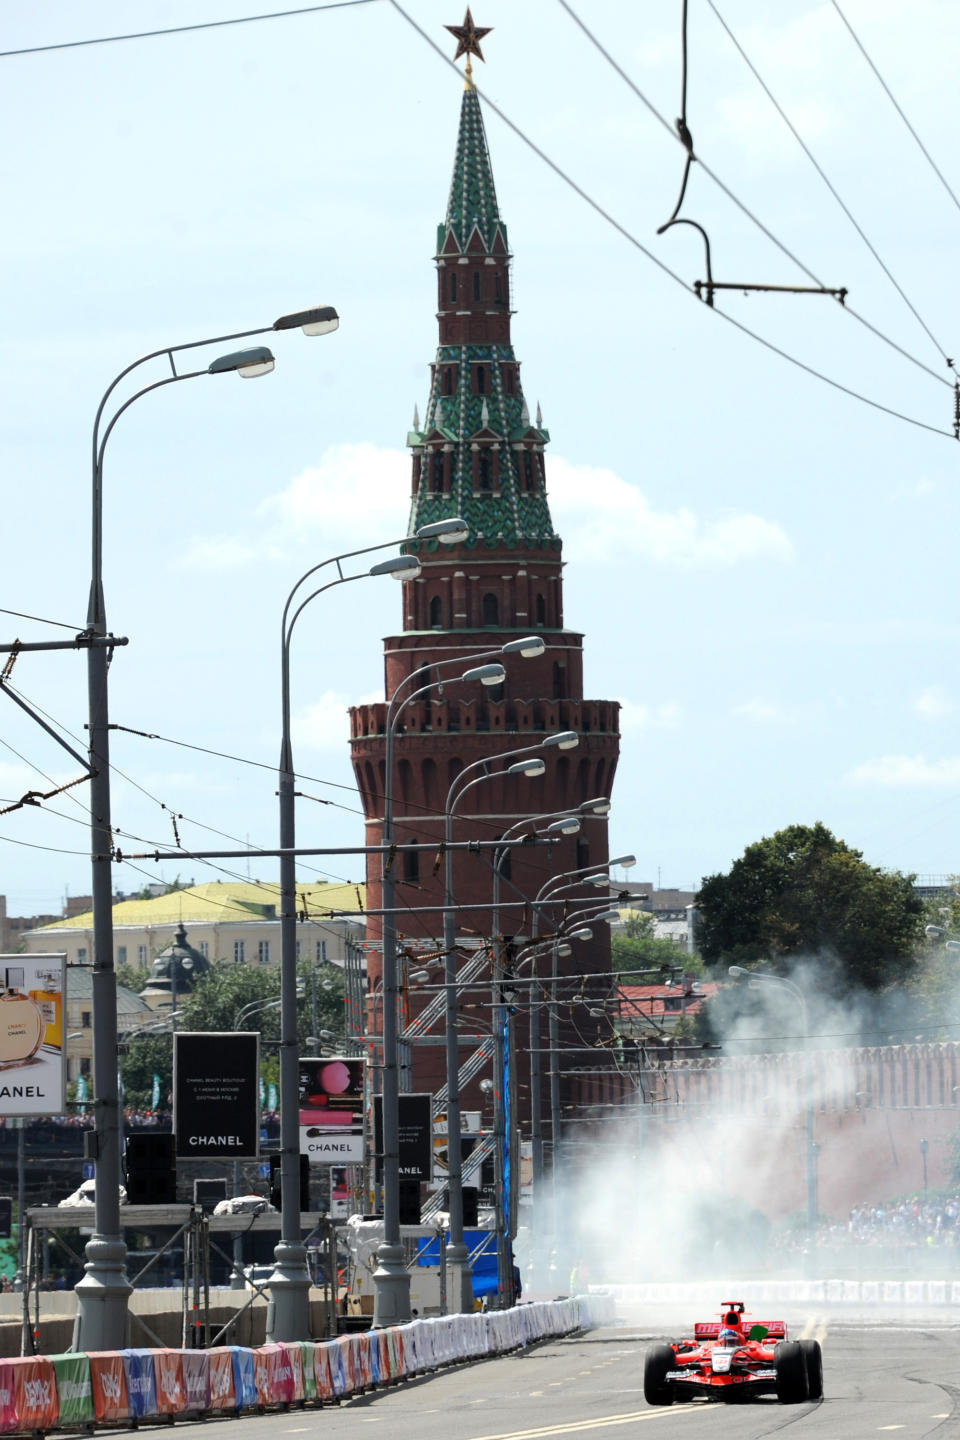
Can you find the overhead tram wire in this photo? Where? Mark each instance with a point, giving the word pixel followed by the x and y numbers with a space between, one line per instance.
pixel 655 260
pixel 184 29
pixel 41 620
pixel 890 95
pixel 832 188
pixel 755 220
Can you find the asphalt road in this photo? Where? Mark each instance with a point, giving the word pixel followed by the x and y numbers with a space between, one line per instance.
pixel 879 1381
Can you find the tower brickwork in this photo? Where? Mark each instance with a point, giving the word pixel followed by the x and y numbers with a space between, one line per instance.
pixel 478 454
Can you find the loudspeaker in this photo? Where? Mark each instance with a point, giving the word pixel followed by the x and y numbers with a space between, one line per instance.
pixel 151 1169
pixel 208 1193
pixel 408 1194
pixel 276 1189
pixel 470 1198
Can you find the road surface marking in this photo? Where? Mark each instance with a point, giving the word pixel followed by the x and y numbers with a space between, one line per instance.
pixel 576 1427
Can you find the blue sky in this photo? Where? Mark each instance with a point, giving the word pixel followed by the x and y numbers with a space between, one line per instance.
pixel 764 566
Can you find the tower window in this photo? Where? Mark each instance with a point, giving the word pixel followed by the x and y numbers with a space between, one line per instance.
pixel 484 470
pixel 453 284
pixel 491 610
pixel 481 379
pixel 436 474
pixel 436 612
pixel 497 286
pixel 541 610
pixel 529 480
pixel 476 284
pixel 559 680
pixel 508 374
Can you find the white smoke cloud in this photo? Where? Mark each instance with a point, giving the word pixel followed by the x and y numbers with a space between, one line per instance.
pixel 907 770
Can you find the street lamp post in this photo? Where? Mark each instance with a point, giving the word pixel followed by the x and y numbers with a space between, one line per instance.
pixel 102 1319
pixel 390 1279
pixel 739 973
pixel 288 1315
pixel 459 1286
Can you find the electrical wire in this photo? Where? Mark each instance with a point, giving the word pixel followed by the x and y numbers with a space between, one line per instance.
pixel 184 29
pixel 746 211
pixel 831 187
pixel 925 152
pixel 40 620
pixel 638 245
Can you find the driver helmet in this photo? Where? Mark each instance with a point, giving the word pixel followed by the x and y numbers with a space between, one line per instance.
pixel 728 1336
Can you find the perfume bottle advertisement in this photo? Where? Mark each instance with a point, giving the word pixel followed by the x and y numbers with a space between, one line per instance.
pixel 32 1034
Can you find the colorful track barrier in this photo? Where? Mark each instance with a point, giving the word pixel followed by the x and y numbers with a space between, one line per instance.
pixel 43 1392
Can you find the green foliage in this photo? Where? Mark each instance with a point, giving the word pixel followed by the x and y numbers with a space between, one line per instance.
pixel 803 892
pixel 636 948
pixel 146 1056
pixel 134 977
pixel 217 1002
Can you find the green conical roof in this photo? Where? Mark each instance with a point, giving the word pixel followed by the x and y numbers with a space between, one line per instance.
pixel 473 198
pixel 463 421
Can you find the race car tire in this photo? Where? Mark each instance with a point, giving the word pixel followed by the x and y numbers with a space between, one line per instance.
pixel 659 1359
pixel 813 1357
pixel 791 1366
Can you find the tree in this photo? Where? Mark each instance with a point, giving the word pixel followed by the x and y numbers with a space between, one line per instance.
pixel 637 947
pixel 803 892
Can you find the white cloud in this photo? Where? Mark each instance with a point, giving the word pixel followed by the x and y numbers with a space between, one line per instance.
pixel 904 770
pixel 635 717
pixel 212 552
pixel 933 703
pixel 604 517
pixel 16 780
pixel 328 495
pixel 759 710
pixel 325 725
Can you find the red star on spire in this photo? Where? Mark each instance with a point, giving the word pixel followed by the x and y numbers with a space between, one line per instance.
pixel 468 37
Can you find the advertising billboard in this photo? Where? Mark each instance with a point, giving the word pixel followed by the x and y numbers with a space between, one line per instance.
pixel 216 1094
pixel 332 1090
pixel 414 1132
pixel 32 1034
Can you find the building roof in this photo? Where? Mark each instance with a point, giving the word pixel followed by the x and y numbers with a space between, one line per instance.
pixel 80 987
pixel 222 902
pixel 660 1002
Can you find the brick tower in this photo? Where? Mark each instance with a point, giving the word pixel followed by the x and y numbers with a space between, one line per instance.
pixel 478 454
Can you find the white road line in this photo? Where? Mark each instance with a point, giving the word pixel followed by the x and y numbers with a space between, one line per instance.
pixel 579 1426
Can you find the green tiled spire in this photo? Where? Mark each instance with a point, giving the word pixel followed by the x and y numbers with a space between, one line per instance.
pixel 477 416
pixel 473 198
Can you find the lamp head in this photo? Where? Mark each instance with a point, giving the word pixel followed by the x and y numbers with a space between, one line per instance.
pixel 529 647
pixel 570 825
pixel 607 915
pixel 563 740
pixel 623 862
pixel 450 532
pixel 320 320
pixel 599 806
pixel 530 768
pixel 258 360
pixel 582 932
pixel 564 949
pixel 492 674
pixel 401 567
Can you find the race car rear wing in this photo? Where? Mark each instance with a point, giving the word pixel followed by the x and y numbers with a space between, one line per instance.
pixel 710 1329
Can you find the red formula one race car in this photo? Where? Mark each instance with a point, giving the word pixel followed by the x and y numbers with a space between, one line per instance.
pixel 727 1360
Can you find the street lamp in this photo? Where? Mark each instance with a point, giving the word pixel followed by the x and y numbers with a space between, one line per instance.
pixel 530 767
pixel 739 973
pixel 289 1314
pixel 391 1279
pixel 102 1320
